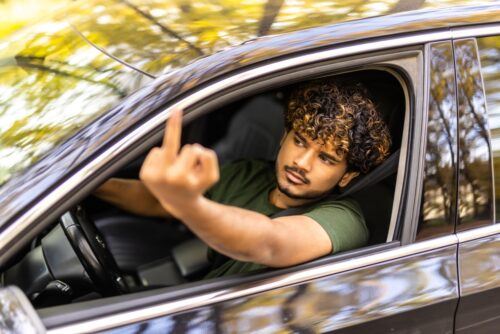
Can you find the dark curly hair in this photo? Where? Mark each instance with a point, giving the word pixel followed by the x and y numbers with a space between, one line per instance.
pixel 342 114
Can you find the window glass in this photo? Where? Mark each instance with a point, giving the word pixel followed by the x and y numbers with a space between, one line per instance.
pixel 489 52
pixel 475 194
pixel 439 195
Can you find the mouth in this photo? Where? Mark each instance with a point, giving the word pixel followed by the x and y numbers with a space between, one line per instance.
pixel 295 178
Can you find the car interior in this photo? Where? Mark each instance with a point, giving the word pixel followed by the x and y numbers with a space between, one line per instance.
pixel 98 250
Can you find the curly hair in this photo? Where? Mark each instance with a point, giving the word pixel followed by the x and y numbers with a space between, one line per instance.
pixel 343 115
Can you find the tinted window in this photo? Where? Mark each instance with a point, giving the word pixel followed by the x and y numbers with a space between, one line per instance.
pixel 475 201
pixel 439 195
pixel 489 51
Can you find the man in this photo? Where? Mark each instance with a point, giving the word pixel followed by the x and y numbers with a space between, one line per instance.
pixel 333 133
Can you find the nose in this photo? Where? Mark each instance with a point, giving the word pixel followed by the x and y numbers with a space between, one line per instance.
pixel 304 160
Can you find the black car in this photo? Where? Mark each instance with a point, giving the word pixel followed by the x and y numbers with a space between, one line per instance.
pixel 84 97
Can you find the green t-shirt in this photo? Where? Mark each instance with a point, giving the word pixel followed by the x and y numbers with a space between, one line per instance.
pixel 247 184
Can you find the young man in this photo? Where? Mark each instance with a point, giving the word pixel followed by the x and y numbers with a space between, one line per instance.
pixel 333 133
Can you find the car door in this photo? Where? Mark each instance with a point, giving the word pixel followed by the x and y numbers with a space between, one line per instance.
pixel 399 286
pixel 477 61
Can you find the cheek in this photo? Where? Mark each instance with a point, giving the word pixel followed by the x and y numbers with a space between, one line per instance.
pixel 285 154
pixel 328 176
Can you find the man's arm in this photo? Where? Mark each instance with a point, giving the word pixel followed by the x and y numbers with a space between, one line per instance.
pixel 179 180
pixel 132 196
pixel 253 237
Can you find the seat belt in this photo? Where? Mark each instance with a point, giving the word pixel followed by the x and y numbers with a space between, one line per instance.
pixel 380 173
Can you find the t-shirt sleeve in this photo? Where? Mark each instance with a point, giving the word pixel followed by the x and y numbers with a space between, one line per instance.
pixel 344 223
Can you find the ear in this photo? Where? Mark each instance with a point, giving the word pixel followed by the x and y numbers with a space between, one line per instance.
pixel 346 178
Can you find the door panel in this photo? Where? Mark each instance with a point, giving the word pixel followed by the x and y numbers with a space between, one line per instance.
pixel 479 308
pixel 417 292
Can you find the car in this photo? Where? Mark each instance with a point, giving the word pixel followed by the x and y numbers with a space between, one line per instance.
pixel 85 95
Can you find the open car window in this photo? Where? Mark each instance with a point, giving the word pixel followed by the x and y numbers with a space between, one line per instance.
pixel 249 129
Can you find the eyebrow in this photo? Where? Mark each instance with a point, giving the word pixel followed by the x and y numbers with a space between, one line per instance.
pixel 300 137
pixel 329 156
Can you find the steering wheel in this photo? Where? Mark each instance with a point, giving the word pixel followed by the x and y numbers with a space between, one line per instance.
pixel 91 250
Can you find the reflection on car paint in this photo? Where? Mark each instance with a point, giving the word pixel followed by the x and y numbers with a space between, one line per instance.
pixel 351 298
pixel 479 286
pixel 475 201
pixel 439 188
pixel 480 265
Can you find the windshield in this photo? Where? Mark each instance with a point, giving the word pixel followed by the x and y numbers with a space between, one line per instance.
pixel 52 83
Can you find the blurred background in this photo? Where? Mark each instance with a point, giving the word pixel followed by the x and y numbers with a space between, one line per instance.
pixel 18 13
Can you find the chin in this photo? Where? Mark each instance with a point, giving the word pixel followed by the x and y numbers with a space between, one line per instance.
pixel 290 190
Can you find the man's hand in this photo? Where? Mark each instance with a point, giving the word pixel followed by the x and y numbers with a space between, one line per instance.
pixel 178 179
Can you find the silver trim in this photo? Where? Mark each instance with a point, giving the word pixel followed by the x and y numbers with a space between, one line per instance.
pixel 479 31
pixel 134 316
pixel 478 233
pixel 417 65
pixel 23 222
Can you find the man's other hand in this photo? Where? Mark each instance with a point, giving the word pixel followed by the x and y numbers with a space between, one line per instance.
pixel 177 179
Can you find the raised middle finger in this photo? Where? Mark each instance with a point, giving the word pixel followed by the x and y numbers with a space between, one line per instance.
pixel 172 136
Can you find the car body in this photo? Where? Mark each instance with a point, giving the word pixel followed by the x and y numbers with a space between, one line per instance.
pixel 437 267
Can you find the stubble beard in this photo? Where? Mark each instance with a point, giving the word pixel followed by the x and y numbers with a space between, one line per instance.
pixel 309 196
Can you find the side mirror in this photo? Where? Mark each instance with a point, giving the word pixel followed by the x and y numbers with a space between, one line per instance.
pixel 17 315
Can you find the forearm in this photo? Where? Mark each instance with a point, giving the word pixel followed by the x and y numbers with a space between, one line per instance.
pixel 131 196
pixel 238 233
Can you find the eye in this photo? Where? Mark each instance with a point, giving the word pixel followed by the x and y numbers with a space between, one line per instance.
pixel 327 160
pixel 298 141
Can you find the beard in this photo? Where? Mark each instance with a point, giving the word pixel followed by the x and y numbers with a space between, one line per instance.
pixel 311 195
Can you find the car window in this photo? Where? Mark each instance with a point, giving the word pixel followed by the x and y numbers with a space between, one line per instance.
pixel 439 196
pixel 475 200
pixel 489 52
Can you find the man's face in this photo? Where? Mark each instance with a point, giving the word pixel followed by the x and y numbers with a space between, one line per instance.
pixel 307 169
